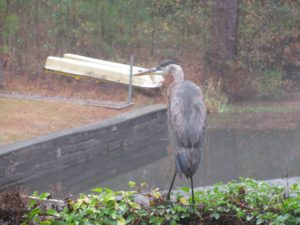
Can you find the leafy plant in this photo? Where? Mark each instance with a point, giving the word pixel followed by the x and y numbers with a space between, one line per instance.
pixel 268 83
pixel 243 202
pixel 215 99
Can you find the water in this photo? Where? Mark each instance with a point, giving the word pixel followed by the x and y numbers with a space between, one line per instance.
pixel 229 154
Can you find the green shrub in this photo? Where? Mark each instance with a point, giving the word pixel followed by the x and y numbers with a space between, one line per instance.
pixel 268 83
pixel 243 202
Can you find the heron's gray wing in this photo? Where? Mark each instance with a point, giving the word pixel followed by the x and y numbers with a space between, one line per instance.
pixel 187 115
pixel 187 125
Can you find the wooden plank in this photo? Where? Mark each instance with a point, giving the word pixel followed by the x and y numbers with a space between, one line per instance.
pixel 100 69
pixel 103 62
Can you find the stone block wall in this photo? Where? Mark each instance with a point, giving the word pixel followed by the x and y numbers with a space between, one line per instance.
pixel 79 158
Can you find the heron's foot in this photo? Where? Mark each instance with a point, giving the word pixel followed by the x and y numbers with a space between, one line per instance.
pixel 193 208
pixel 168 197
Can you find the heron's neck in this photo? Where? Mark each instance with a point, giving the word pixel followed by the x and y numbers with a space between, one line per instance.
pixel 177 74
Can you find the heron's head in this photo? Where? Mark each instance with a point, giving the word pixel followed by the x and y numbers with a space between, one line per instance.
pixel 166 66
pixel 170 67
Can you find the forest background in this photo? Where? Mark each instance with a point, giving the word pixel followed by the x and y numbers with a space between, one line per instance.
pixel 243 48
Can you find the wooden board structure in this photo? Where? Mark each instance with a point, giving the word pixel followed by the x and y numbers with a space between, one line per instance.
pixel 85 67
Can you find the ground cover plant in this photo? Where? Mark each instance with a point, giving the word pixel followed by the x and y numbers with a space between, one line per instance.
pixel 244 202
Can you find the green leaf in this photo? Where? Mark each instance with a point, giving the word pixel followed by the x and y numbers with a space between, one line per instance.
pixel 109 197
pixel 35 194
pixel 215 215
pixel 185 189
pixel 113 214
pixel 249 217
pixel 45 223
pixel 183 201
pixel 131 184
pixel 35 211
pixel 155 193
pixel 52 212
pixel 144 185
pixel 97 190
pixel 216 189
pixel 259 221
pixel 130 219
pixel 43 196
pixel 134 205
pixel 109 191
pixel 121 221
pixel 32 204
pixel 77 205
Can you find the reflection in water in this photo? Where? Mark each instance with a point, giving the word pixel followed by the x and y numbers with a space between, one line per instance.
pixel 229 154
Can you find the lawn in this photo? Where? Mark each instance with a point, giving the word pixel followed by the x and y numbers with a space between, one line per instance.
pixel 25 119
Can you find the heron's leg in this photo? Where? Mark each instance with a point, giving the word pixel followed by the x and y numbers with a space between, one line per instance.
pixel 192 186
pixel 169 192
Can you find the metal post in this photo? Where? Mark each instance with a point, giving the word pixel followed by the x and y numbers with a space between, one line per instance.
pixel 130 79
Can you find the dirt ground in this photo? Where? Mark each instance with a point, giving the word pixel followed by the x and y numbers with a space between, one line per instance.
pixel 12 207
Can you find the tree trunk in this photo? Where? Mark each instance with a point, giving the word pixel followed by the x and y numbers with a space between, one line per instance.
pixel 1 76
pixel 37 23
pixel 223 35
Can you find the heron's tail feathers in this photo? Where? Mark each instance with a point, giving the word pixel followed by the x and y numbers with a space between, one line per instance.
pixel 187 161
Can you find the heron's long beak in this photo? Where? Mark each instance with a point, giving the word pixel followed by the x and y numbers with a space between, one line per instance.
pixel 150 71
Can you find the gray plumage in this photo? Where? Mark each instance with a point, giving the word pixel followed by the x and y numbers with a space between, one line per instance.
pixel 186 121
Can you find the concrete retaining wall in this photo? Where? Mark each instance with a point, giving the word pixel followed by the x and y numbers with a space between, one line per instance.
pixel 79 158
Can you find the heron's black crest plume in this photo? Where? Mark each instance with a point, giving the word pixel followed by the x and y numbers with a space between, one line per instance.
pixel 166 63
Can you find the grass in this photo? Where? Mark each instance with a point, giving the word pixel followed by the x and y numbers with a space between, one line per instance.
pixel 261 108
pixel 24 119
pixel 274 114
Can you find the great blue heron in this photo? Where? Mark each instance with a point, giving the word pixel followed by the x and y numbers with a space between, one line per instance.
pixel 186 122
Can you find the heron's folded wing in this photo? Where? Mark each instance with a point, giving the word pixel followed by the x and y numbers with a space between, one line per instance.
pixel 187 115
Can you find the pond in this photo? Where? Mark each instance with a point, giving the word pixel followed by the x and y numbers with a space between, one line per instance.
pixel 267 153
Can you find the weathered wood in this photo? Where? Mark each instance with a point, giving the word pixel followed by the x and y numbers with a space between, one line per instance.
pixel 85 67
